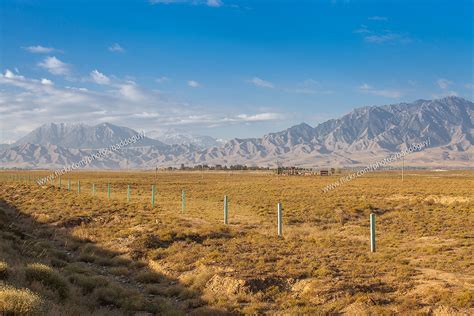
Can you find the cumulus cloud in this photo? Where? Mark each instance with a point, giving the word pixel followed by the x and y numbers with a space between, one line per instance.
pixel 55 66
pixel 116 48
pixel 99 78
pixel 121 102
pixel 388 93
pixel 443 83
pixel 261 83
pixel 193 84
pixel 38 49
pixel 46 82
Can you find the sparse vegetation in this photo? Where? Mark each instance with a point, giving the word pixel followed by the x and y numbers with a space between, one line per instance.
pixel 15 301
pixel 110 255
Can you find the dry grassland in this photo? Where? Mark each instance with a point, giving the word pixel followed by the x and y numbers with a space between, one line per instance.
pixel 71 253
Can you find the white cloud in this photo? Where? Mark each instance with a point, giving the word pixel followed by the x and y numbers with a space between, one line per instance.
pixel 47 82
pixel 380 37
pixel 214 3
pixel 378 18
pixel 55 66
pixel 387 38
pixel 261 83
pixel 99 77
pixel 260 117
pixel 366 88
pixel 469 86
pixel 193 84
pixel 38 49
pixel 116 48
pixel 124 103
pixel 443 83
pixel 132 92
pixel 11 75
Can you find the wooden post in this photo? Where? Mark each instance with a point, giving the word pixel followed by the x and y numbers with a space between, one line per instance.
pixel 78 186
pixel 60 183
pixel 108 191
pixel 153 196
pixel 226 210
pixel 280 220
pixel 128 193
pixel 93 189
pixel 372 232
pixel 69 184
pixel 183 201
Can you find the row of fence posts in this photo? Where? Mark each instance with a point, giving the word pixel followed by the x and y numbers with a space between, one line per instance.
pixel 183 204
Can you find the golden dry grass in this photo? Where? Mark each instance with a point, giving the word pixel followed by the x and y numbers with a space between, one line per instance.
pixel 126 257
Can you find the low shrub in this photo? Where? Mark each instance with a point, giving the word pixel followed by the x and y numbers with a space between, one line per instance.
pixel 48 277
pixel 15 301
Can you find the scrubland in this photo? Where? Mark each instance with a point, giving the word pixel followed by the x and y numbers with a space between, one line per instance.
pixel 69 253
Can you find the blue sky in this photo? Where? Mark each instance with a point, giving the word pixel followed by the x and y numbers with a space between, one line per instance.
pixel 225 68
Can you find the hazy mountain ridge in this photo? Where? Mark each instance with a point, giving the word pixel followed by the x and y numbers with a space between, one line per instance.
pixel 356 138
pixel 172 136
pixel 83 136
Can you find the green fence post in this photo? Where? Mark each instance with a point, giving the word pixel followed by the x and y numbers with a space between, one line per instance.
pixel 153 196
pixel 225 209
pixel 128 193
pixel 183 201
pixel 69 184
pixel 108 191
pixel 78 186
pixel 372 232
pixel 280 220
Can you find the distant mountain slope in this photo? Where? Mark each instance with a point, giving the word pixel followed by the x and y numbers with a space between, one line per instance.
pixel 82 136
pixel 172 136
pixel 356 138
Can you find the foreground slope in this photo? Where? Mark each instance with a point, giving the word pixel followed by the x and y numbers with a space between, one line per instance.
pixel 79 253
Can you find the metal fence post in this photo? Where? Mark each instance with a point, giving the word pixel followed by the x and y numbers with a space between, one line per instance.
pixel 372 232
pixel 280 220
pixel 226 209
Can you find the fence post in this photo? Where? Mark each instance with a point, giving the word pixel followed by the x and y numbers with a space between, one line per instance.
pixel 108 191
pixel 59 183
pixel 372 232
pixel 78 186
pixel 153 196
pixel 69 184
pixel 93 189
pixel 128 193
pixel 183 201
pixel 226 209
pixel 279 220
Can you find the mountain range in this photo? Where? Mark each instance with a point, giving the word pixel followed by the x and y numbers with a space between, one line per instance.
pixel 362 136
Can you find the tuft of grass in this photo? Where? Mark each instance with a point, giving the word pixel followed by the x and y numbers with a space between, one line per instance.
pixel 3 270
pixel 148 277
pixel 48 277
pixel 88 283
pixel 15 301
